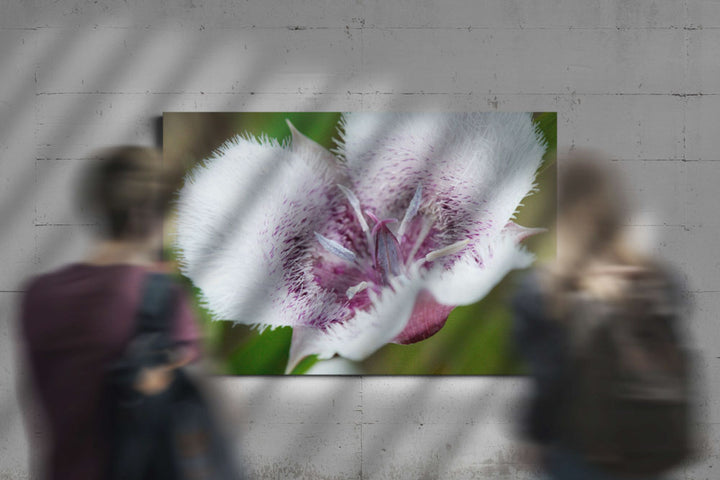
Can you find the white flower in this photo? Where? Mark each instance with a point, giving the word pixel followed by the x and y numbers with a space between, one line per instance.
pixel 375 245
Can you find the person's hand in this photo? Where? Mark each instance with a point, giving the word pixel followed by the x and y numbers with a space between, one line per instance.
pixel 154 380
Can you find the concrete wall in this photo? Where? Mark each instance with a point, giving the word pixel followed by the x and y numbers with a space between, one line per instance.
pixel 639 79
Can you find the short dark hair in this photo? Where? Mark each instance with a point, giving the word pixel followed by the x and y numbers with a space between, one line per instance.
pixel 130 188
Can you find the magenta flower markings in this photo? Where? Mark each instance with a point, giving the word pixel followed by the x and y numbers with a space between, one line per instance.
pixel 376 244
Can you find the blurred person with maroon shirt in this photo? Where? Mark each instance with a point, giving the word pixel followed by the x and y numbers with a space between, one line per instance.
pixel 78 320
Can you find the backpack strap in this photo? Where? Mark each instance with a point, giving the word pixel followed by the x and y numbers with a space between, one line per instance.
pixel 152 343
pixel 156 305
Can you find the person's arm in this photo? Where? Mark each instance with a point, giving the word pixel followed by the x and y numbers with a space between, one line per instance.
pixel 185 331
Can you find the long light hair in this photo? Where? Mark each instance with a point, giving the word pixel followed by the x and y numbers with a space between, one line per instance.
pixel 594 254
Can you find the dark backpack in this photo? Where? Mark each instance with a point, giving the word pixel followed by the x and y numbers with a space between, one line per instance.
pixel 628 408
pixel 171 435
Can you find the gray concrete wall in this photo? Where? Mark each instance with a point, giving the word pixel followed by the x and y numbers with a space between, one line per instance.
pixel 639 79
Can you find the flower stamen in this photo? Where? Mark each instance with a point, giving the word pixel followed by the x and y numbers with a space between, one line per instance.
pixel 355 204
pixel 410 212
pixel 420 239
pixel 336 249
pixel 445 251
pixel 355 289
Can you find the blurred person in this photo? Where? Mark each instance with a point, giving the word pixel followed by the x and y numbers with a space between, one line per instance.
pixel 77 321
pixel 599 328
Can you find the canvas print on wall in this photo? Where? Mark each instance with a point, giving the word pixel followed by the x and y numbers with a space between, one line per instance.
pixel 382 243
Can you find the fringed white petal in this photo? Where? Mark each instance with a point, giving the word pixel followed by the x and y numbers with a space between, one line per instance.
pixel 365 332
pixel 469 280
pixel 246 219
pixel 474 168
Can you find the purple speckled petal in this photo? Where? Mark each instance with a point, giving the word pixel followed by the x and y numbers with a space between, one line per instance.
pixel 470 275
pixel 246 223
pixel 474 168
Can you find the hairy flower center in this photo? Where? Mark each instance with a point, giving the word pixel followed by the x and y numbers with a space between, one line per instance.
pixel 385 259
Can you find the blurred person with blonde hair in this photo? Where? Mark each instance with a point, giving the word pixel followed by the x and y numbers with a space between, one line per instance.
pixel 78 320
pixel 599 330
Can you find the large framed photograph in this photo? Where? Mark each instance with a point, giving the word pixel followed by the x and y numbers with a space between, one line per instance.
pixel 360 243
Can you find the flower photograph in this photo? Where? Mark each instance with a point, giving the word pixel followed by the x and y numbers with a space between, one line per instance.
pixel 366 243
